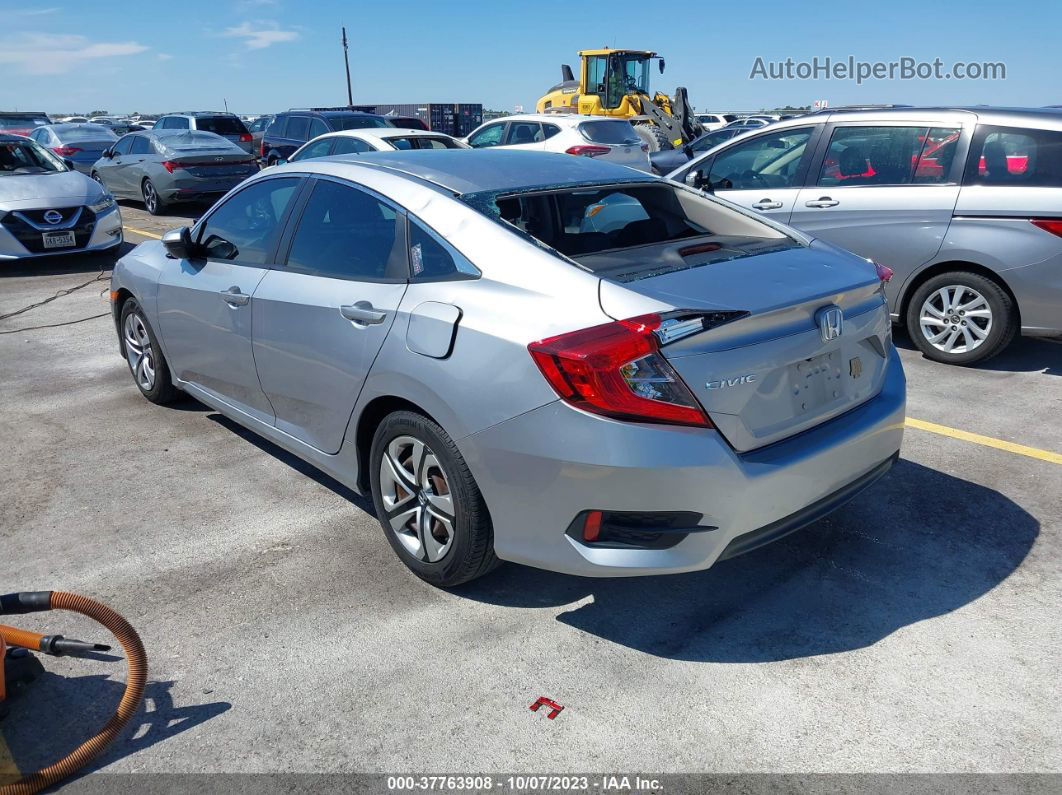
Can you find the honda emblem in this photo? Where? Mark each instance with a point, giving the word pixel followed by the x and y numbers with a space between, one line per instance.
pixel 830 320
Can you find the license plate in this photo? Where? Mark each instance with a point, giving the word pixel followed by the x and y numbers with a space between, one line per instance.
pixel 58 239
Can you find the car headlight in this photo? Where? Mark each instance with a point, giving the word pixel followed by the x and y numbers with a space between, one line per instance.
pixel 103 205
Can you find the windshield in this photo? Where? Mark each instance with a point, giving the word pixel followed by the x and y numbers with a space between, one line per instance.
pixel 613 76
pixel 356 122
pixel 21 122
pixel 27 157
pixel 222 125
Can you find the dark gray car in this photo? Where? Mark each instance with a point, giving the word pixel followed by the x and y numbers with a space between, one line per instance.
pixel 80 144
pixel 161 167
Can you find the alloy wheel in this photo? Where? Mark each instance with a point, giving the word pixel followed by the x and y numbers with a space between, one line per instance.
pixel 138 351
pixel 151 199
pixel 418 504
pixel 955 319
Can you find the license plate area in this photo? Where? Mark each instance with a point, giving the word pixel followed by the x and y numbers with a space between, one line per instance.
pixel 58 239
pixel 816 382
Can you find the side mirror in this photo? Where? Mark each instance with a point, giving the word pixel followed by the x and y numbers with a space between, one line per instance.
pixel 69 163
pixel 281 161
pixel 108 153
pixel 178 243
pixel 661 66
pixel 697 179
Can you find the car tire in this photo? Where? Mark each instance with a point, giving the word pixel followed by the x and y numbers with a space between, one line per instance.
pixel 428 503
pixel 153 203
pixel 654 137
pixel 142 353
pixel 950 310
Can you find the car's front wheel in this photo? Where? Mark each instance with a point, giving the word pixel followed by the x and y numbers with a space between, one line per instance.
pixel 153 203
pixel 428 503
pixel 144 356
pixel 961 318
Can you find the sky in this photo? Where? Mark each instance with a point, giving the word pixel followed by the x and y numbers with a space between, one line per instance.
pixel 267 55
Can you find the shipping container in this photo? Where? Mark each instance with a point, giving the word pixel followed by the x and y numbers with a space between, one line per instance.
pixel 457 119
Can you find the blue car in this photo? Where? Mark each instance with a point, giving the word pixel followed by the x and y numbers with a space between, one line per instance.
pixel 291 129
pixel 80 144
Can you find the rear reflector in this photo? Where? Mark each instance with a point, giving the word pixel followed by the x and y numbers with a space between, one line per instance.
pixel 592 526
pixel 635 529
pixel 616 370
pixel 1052 225
pixel 588 151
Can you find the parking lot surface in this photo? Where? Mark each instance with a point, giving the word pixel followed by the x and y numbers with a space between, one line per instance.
pixel 914 630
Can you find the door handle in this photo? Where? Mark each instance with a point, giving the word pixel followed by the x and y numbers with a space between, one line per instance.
pixel 233 296
pixel 362 312
pixel 822 201
pixel 767 204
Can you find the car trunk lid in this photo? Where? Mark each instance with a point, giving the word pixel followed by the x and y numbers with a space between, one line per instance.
pixel 765 364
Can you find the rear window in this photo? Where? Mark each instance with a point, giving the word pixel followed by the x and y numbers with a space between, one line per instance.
pixel 1015 157
pixel 87 132
pixel 580 222
pixel 21 122
pixel 422 142
pixel 609 132
pixel 222 125
pixel 356 122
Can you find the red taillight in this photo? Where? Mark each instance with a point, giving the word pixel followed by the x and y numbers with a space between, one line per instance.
pixel 66 151
pixel 588 151
pixel 884 272
pixel 172 165
pixel 1052 225
pixel 616 370
pixel 245 137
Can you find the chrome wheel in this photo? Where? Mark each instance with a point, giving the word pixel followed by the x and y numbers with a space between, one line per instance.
pixel 138 351
pixel 151 199
pixel 417 502
pixel 955 319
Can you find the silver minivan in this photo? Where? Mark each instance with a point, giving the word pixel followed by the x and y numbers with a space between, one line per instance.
pixel 963 204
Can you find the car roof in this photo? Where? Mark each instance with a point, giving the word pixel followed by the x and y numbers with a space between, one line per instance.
pixel 382 132
pixel 499 170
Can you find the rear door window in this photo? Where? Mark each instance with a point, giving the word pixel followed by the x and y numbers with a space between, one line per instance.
pixel 524 132
pixel 1015 157
pixel 346 233
pixel 317 127
pixel 178 123
pixel 888 155
pixel 141 146
pixel 345 145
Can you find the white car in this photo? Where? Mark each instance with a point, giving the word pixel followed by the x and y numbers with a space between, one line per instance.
pixel 714 121
pixel 613 140
pixel 373 139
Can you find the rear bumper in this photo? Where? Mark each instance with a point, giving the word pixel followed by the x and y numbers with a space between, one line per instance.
pixel 540 470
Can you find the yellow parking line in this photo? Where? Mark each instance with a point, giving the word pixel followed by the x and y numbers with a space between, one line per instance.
pixel 987 441
pixel 142 233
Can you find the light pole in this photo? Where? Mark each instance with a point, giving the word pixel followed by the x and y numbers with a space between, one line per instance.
pixel 346 63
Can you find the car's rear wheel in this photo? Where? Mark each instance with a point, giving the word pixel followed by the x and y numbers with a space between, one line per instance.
pixel 428 503
pixel 961 318
pixel 153 203
pixel 144 356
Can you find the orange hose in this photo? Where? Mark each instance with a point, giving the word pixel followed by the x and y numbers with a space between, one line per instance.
pixel 20 637
pixel 136 658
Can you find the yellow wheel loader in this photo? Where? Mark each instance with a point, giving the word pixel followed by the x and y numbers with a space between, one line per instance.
pixel 615 84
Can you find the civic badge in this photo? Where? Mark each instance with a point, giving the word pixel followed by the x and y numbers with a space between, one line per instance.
pixel 830 320
pixel 53 216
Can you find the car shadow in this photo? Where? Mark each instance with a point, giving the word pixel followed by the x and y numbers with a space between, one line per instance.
pixel 54 714
pixel 58 266
pixel 1024 355
pixel 918 544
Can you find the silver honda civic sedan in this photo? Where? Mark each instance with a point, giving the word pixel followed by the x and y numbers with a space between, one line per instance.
pixel 527 356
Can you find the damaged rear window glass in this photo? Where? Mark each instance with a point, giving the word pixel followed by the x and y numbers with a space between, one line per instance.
pixel 588 221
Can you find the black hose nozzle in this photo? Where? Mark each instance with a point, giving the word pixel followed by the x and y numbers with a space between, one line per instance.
pixel 25 602
pixel 57 646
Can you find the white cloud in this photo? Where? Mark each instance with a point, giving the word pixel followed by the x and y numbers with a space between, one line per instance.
pixel 30 12
pixel 164 56
pixel 262 36
pixel 55 54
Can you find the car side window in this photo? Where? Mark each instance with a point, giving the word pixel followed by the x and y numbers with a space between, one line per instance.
pixel 123 145
pixel 244 228
pixel 490 135
pixel 178 123
pixel 867 155
pixel 141 146
pixel 432 259
pixel 277 127
pixel 766 161
pixel 1015 157
pixel 319 148
pixel 317 127
pixel 298 128
pixel 348 146
pixel 162 124
pixel 347 233
pixel 524 132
